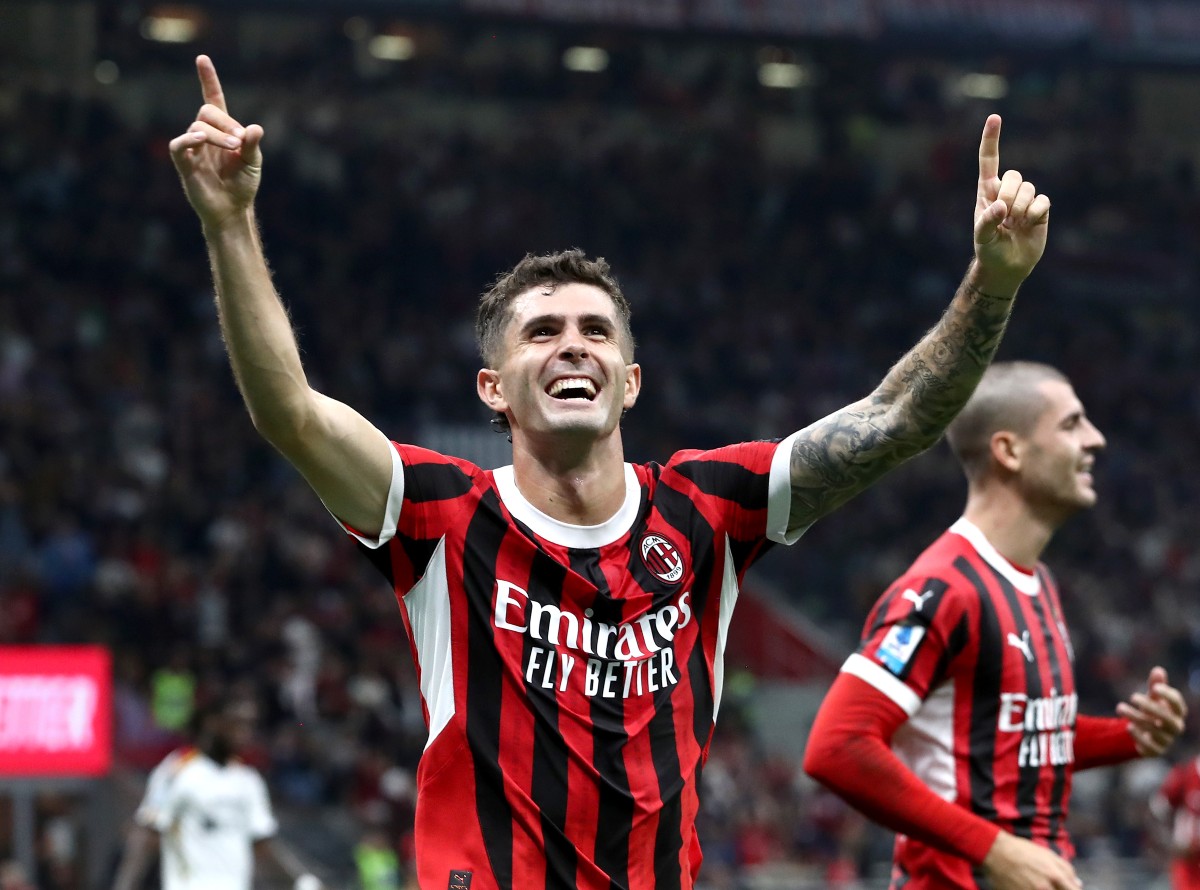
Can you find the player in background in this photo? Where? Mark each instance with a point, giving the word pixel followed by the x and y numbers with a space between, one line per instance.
pixel 207 814
pixel 1176 810
pixel 955 723
pixel 568 613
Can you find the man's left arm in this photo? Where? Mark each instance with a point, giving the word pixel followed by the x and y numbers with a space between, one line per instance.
pixel 837 457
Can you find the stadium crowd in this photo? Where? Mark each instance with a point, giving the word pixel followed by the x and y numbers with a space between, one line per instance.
pixel 138 508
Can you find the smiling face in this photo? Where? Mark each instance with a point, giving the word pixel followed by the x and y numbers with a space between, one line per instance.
pixel 565 367
pixel 1056 457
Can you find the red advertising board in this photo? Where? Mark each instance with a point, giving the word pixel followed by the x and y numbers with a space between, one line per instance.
pixel 55 711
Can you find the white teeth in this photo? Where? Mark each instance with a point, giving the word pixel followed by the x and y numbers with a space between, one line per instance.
pixel 573 383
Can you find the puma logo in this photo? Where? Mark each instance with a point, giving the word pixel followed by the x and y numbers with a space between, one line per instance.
pixel 1023 643
pixel 918 599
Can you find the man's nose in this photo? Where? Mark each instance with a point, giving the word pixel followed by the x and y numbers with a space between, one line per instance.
pixel 573 343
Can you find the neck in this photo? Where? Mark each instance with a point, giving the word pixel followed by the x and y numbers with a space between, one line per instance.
pixel 1018 533
pixel 580 487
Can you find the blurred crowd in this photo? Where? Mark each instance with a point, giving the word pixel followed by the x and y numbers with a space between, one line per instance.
pixel 770 284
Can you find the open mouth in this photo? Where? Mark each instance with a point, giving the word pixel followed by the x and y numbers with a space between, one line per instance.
pixel 571 388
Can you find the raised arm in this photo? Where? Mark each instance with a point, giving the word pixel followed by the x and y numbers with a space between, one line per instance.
pixel 342 455
pixel 838 456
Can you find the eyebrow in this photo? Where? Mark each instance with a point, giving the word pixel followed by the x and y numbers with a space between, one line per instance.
pixel 558 319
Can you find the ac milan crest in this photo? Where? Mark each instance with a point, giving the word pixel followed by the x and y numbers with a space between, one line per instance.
pixel 662 558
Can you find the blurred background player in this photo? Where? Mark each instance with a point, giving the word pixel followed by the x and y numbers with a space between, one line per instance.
pixel 1176 809
pixel 208 814
pixel 955 723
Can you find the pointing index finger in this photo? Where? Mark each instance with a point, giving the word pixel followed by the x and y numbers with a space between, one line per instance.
pixel 210 84
pixel 989 149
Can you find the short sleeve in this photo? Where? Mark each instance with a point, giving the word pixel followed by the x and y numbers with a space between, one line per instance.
pixel 910 640
pixel 429 492
pixel 741 490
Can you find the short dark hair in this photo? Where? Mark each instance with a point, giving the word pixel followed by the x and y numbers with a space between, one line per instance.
pixel 1007 398
pixel 552 269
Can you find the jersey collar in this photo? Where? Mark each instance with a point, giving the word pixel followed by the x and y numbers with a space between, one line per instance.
pixel 584 537
pixel 1027 584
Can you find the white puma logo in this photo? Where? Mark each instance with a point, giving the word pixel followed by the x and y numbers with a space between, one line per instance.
pixel 918 598
pixel 1023 643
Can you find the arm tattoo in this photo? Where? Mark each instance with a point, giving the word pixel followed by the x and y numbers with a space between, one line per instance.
pixel 840 455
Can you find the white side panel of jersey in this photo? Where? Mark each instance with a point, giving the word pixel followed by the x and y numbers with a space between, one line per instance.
pixel 428 606
pixel 729 595
pixel 926 743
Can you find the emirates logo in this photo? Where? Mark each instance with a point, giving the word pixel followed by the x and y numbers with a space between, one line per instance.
pixel 662 558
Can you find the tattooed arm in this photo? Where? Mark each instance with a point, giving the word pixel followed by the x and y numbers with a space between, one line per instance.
pixel 838 456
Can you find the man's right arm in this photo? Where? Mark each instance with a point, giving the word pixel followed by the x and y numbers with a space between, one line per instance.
pixel 343 456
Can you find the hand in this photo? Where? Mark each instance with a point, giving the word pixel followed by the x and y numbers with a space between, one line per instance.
pixel 1014 863
pixel 1011 221
pixel 219 160
pixel 1156 717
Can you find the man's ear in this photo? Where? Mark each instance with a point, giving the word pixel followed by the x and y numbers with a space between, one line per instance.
pixel 633 384
pixel 1007 450
pixel 487 385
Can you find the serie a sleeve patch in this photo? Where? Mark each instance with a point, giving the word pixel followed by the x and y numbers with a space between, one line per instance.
pixel 898 647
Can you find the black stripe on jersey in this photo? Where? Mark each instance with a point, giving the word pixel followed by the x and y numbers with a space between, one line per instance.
pixel 985 698
pixel 381 558
pixel 549 779
pixel 485 672
pixel 679 511
pixel 923 617
pixel 955 644
pixel 747 553
pixel 1047 616
pixel 664 744
pixel 878 618
pixel 614 815
pixel 434 482
pixel 722 478
pixel 1029 777
pixel 667 841
pixel 1054 607
pixel 931 591
pixel 419 552
pixel 664 751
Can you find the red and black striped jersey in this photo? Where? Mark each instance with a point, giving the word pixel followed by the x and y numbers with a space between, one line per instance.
pixel 976 652
pixel 571 675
